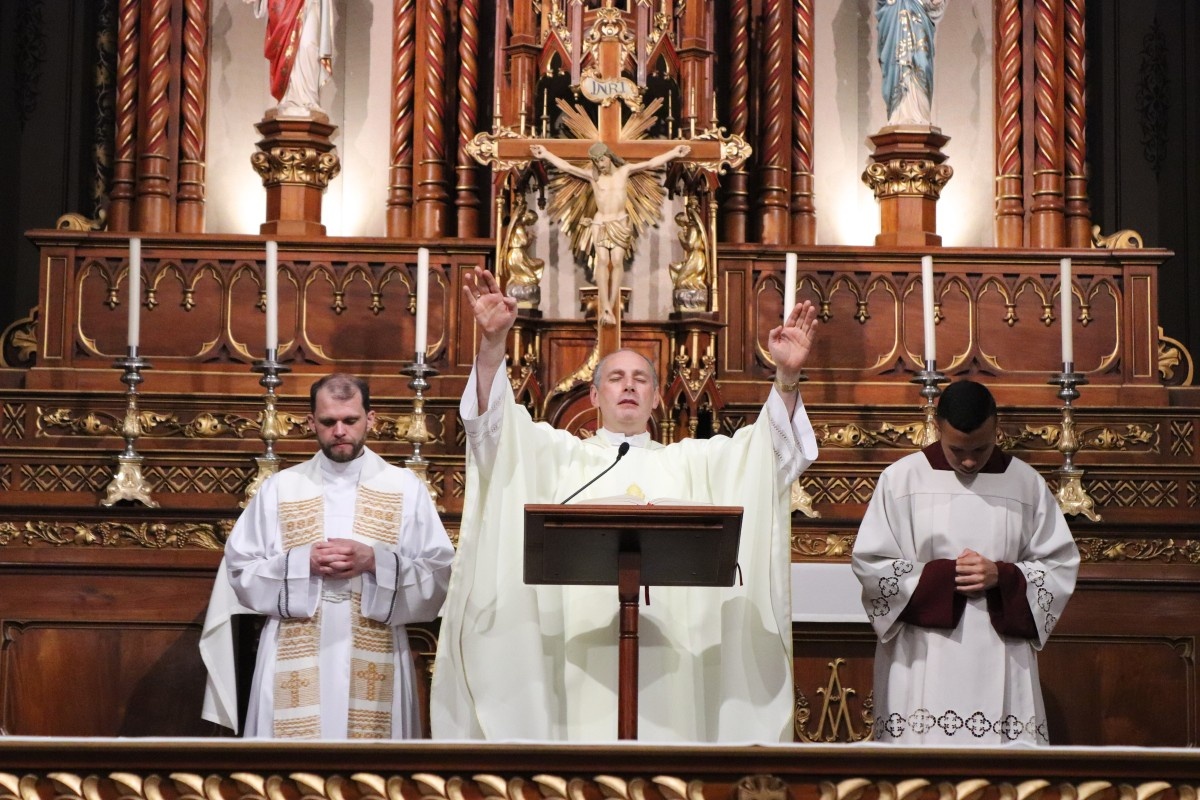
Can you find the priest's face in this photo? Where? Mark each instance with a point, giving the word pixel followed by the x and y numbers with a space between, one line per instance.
pixel 968 452
pixel 626 392
pixel 341 425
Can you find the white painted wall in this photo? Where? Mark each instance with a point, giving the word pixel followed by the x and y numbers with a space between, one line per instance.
pixel 849 107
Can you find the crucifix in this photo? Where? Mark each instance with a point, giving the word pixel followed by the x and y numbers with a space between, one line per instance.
pixel 606 190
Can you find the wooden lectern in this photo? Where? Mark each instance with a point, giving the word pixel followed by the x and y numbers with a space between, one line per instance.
pixel 631 546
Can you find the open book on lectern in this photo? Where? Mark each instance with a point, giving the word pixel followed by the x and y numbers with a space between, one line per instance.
pixel 638 500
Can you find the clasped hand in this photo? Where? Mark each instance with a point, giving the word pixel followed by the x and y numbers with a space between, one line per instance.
pixel 341 558
pixel 974 574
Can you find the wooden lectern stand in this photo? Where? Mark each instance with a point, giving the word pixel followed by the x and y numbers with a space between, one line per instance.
pixel 631 546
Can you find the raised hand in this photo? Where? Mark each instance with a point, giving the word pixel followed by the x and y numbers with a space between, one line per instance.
pixel 790 343
pixel 494 312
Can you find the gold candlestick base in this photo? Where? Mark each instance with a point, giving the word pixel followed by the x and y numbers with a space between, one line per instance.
pixel 127 482
pixel 1072 498
pixel 268 462
pixel 802 501
pixel 417 432
pixel 929 378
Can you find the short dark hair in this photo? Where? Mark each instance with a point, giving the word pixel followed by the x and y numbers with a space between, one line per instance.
pixel 966 405
pixel 600 367
pixel 341 387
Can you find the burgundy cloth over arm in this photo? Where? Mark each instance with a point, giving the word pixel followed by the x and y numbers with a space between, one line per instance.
pixel 935 603
pixel 1008 606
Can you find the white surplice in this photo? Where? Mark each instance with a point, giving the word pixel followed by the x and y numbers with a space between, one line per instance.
pixel 408 585
pixel 540 662
pixel 967 684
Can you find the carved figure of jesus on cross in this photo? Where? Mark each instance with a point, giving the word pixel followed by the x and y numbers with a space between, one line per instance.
pixel 610 191
pixel 609 234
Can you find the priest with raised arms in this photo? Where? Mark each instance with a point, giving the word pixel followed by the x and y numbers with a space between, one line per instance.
pixel 541 662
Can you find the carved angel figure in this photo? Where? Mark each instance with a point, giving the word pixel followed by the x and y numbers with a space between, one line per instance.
pixel 689 276
pixel 523 272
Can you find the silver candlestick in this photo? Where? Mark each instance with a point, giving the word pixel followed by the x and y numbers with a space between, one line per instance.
pixel 268 462
pixel 1072 498
pixel 127 482
pixel 929 378
pixel 417 433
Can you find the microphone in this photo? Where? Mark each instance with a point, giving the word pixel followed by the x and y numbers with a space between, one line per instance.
pixel 621 451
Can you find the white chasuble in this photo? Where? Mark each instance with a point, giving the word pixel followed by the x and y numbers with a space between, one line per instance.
pixel 952 669
pixel 540 662
pixel 334 659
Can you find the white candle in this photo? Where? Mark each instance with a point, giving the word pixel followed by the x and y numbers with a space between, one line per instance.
pixel 1064 290
pixel 422 299
pixel 271 283
pixel 789 286
pixel 927 308
pixel 135 294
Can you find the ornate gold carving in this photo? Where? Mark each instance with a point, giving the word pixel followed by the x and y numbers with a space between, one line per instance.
pixel 835 711
pixel 297 165
pixel 888 434
pixel 734 150
pixel 78 222
pixel 802 501
pixel 1072 498
pixel 1172 353
pixel 1124 239
pixel 902 176
pixel 1168 551
pixel 823 545
pixel 483 149
pixel 205 425
pixel 609 26
pixel 1135 436
pixel 152 535
pixel 18 343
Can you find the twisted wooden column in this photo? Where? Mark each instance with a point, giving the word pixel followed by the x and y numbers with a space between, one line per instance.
pixel 1046 223
pixel 400 173
pixel 120 209
pixel 467 170
pixel 774 165
pixel 1078 215
pixel 1010 184
pixel 804 217
pixel 153 204
pixel 433 194
pixel 735 206
pixel 189 212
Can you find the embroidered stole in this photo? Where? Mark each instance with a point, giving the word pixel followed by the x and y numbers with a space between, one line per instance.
pixel 377 517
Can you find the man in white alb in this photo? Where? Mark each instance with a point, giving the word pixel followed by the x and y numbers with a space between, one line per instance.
pixel 339 553
pixel 540 662
pixel 966 564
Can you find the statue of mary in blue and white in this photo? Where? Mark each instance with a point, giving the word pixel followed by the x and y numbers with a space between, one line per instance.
pixel 905 29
